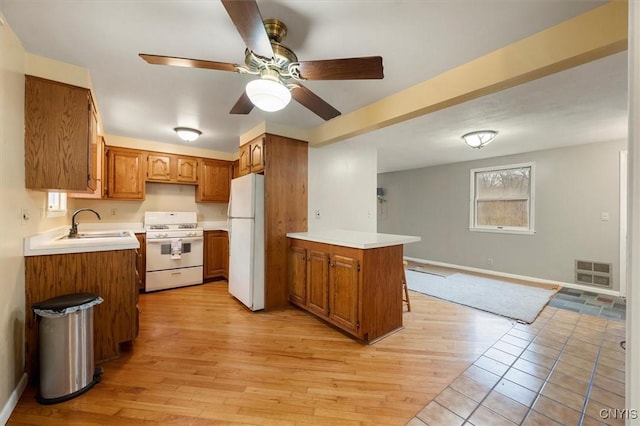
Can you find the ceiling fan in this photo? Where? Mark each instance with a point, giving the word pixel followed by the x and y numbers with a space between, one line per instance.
pixel 278 66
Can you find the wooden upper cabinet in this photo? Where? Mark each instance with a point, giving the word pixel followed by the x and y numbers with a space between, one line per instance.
pixel 60 131
pixel 187 170
pixel 257 155
pixel 252 156
pixel 125 174
pixel 235 167
pixel 170 168
pixel 97 153
pixel 158 166
pixel 214 183
pixel 244 161
pixel 94 152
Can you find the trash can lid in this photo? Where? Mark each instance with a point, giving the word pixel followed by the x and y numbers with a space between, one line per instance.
pixel 60 303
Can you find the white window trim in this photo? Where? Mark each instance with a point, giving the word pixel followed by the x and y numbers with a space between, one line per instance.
pixel 61 209
pixel 530 206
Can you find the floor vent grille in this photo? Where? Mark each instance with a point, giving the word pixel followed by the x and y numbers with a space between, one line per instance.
pixel 594 273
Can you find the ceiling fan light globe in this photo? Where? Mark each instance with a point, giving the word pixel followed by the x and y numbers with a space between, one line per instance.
pixel 268 95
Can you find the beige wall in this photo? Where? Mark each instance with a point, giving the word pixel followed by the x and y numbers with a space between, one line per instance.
pixel 160 197
pixel 13 198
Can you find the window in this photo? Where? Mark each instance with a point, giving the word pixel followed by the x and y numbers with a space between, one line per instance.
pixel 56 204
pixel 502 199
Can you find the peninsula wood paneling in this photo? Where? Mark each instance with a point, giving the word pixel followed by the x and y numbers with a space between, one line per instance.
pixel 286 189
pixel 382 289
pixel 356 290
pixel 109 274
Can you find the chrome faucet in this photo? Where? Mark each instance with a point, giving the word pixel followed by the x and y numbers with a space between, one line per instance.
pixel 73 232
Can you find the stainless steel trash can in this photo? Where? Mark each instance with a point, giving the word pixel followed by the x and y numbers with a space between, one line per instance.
pixel 67 365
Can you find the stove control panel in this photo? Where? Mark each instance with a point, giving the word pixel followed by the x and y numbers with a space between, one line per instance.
pixel 156 235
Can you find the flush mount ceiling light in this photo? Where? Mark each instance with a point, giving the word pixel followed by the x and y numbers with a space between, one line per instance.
pixel 187 134
pixel 268 92
pixel 479 138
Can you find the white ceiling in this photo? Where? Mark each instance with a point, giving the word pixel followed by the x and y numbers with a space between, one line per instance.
pixel 418 39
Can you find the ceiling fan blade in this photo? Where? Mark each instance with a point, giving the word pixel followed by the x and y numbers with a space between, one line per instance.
pixel 189 63
pixel 313 102
pixel 243 105
pixel 247 19
pixel 369 67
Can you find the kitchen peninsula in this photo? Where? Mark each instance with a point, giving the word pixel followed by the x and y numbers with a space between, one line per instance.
pixel 350 279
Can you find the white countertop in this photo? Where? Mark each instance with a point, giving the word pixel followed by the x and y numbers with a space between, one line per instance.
pixel 354 239
pixel 217 225
pixel 53 242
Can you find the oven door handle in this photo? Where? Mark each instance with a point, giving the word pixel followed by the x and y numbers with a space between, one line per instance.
pixel 169 240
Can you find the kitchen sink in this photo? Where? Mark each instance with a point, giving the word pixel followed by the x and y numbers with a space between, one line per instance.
pixel 83 235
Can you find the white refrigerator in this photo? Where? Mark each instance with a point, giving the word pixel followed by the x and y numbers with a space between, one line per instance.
pixel 246 240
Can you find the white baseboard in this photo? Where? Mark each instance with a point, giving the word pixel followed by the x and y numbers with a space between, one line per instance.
pixel 13 400
pixel 517 277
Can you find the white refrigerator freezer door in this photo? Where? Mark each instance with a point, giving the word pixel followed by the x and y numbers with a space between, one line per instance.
pixel 241 253
pixel 242 202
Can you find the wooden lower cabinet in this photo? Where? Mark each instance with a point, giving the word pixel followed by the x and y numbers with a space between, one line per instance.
pixel 344 292
pixel 109 274
pixel 141 261
pixel 358 291
pixel 216 255
pixel 318 290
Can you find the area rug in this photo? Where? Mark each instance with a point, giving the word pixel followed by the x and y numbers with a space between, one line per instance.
pixel 520 302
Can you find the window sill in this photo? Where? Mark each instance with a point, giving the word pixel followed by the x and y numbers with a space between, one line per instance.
pixel 502 231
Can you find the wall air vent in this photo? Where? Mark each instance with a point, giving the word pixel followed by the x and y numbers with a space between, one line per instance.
pixel 594 273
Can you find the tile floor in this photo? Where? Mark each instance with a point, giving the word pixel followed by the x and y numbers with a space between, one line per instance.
pixel 565 368
pixel 590 303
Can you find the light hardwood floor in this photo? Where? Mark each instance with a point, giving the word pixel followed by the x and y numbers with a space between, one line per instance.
pixel 201 358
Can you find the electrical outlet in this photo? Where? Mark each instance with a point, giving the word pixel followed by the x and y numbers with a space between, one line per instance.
pixel 24 215
pixel 490 261
pixel 317 214
pixel 113 212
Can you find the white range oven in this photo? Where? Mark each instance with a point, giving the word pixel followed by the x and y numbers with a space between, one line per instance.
pixel 174 250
